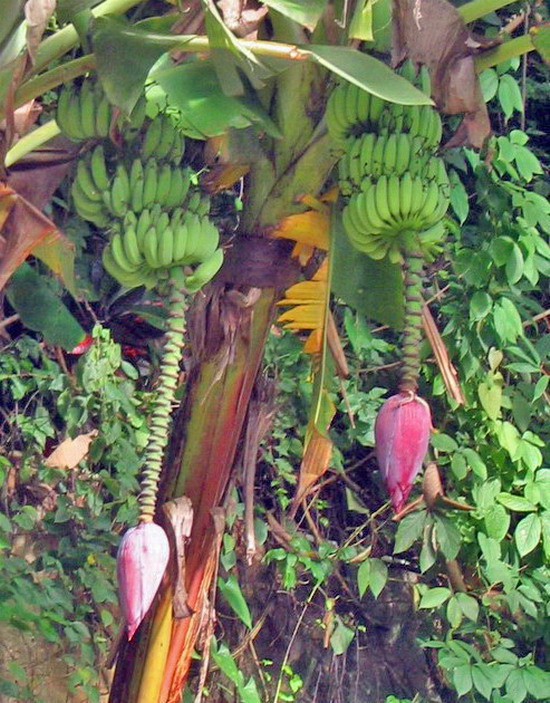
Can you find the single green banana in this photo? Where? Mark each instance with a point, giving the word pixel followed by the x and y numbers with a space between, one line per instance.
pixel 85 179
pixel 194 201
pixel 103 117
pixel 366 209
pixel 390 155
pixel 138 114
pixel 149 248
pixel 403 153
pixel 167 136
pixel 118 202
pixel 378 156
pixel 143 225
pixel 367 147
pixel 208 242
pixel 425 81
pixel 63 116
pixel 363 107
pixel 353 157
pixel 355 235
pixel 204 272
pixel 88 109
pixel 131 247
pixel 405 195
pixel 136 174
pixel 165 251
pixel 119 254
pixel 359 224
pixel 394 198
pixel 150 184
pixel 204 207
pixel 130 220
pixel 178 149
pixel 417 199
pixel 164 183
pixel 181 233
pixel 381 200
pixel 151 139
pixel 122 175
pixel 377 107
pixel 352 95
pixel 75 115
pixel 98 168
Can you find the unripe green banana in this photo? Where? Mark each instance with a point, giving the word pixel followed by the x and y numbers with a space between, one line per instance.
pixel 403 153
pixel 418 195
pixel 150 184
pixel 208 241
pixel 64 114
pixel 162 221
pixel 363 107
pixel 390 154
pixel 136 173
pixel 425 81
pixel 85 180
pixel 103 117
pixel 165 251
pixel 367 147
pixel 130 220
pixel 181 233
pixel 178 149
pixel 429 206
pixel 143 224
pixel 381 199
pixel 164 183
pixel 377 107
pixel 167 136
pixel 204 206
pixel 137 116
pixel 98 168
pixel 367 212
pixel 204 272
pixel 118 201
pixel 394 198
pixel 352 95
pixel 88 209
pixel 151 139
pixel 354 163
pixel 378 156
pixel 119 254
pixel 149 248
pixel 131 247
pixel 194 201
pixel 88 109
pixel 357 217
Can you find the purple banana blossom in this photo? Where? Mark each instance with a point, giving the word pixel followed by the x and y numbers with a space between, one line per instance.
pixel 141 562
pixel 402 432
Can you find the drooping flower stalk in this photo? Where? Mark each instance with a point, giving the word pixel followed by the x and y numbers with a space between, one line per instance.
pixel 413 263
pixel 168 378
pixel 144 551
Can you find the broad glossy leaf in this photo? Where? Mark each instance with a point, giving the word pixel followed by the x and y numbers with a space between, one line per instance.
pixel 124 55
pixel 368 73
pixel 378 576
pixel 434 597
pixel 194 89
pixel 409 530
pixel 373 288
pixel 41 310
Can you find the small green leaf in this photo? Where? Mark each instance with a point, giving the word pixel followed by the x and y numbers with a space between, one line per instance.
pixel 518 504
pixel 341 637
pixel 482 681
pixel 448 536
pixel 443 442
pixel 462 679
pixel 363 577
pixel 454 613
pixel 507 321
pixel 409 530
pixel 497 522
pixel 475 462
pixel 488 81
pixel 232 593
pixel 480 305
pixel 434 597
pixel 527 534
pixel 459 197
pixel 304 12
pixel 515 686
pixel 222 656
pixel 509 95
pixel 378 576
pixel 537 682
pixel 468 605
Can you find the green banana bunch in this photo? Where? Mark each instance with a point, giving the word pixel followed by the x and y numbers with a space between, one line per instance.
pixel 83 113
pixel 163 140
pixel 153 243
pixel 352 111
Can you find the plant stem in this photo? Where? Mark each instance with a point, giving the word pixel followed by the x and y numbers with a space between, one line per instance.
pixel 412 332
pixel 475 9
pixel 168 379
pixel 509 50
pixel 65 39
pixel 31 141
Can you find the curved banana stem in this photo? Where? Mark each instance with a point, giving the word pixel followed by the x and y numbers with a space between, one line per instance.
pixel 413 264
pixel 168 378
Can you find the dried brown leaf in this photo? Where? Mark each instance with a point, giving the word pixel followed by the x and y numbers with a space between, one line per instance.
pixel 70 452
pixel 37 14
pixel 431 32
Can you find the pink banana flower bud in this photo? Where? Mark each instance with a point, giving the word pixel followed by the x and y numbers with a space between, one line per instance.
pixel 141 562
pixel 402 432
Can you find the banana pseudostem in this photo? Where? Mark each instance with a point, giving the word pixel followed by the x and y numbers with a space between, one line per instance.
pixel 168 378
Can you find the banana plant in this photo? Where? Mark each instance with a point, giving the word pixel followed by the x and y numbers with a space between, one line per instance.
pixel 278 86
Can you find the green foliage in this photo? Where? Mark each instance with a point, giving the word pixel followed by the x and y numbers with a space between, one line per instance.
pixel 58 546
